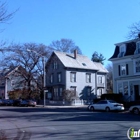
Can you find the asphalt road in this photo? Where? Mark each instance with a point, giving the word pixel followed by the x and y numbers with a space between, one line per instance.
pixel 20 123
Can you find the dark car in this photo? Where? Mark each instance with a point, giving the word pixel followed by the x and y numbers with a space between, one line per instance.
pixel 7 102
pixel 1 102
pixel 10 102
pixel 16 102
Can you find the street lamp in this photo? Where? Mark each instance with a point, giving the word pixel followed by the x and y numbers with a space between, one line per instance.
pixel 44 81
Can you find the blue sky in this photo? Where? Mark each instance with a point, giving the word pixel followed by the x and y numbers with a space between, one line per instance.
pixel 94 25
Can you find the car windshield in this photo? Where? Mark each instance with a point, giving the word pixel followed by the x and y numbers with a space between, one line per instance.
pixel 111 101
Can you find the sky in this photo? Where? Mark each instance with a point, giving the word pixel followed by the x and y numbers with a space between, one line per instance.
pixel 94 25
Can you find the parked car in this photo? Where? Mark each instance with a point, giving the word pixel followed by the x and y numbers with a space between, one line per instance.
pixel 10 102
pixel 106 105
pixel 7 102
pixel 31 103
pixel 1 102
pixel 23 103
pixel 16 102
pixel 135 109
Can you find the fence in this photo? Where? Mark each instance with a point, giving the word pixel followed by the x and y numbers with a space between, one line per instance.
pixel 53 102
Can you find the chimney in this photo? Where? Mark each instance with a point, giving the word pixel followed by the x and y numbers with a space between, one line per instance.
pixel 75 54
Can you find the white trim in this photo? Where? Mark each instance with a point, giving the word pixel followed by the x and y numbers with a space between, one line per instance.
pixel 129 41
pixel 122 60
pixel 134 79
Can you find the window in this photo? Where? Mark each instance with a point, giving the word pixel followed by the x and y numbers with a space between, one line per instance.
pixel 137 51
pixel 123 70
pixel 100 92
pixel 83 64
pixel 137 66
pixel 73 77
pixel 59 77
pixel 120 88
pixel 100 79
pixel 55 65
pixel 56 92
pixel 122 50
pixel 12 82
pixel 125 88
pixel 88 77
pixel 51 78
pixel 73 88
pixel 60 91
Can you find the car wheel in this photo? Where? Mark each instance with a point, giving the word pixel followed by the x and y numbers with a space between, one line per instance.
pixel 136 111
pixel 107 109
pixel 92 108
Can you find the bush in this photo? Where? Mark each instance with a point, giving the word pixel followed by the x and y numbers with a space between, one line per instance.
pixel 114 96
pixel 68 95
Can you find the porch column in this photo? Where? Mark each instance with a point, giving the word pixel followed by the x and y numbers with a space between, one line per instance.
pixel 6 96
pixel 96 83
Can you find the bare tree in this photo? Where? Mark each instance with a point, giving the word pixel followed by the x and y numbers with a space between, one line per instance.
pixel 30 61
pixel 5 16
pixel 109 67
pixel 65 45
pixel 134 30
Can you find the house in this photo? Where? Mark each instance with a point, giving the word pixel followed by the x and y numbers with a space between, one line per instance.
pixel 12 79
pixel 126 69
pixel 74 72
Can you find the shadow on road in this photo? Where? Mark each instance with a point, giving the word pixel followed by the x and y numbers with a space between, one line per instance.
pixel 67 114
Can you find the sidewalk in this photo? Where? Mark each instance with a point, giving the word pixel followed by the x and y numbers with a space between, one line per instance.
pixel 61 106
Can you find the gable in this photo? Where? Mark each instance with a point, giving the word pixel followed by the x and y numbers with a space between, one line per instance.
pixel 81 62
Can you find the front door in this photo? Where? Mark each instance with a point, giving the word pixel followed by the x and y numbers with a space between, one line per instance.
pixel 136 91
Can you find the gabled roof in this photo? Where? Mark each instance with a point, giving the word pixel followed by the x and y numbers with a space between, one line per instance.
pixel 81 61
pixel 101 67
pixel 8 71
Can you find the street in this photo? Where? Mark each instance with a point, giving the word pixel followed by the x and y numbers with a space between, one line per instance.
pixel 27 123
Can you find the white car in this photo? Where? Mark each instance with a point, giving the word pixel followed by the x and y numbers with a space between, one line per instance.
pixel 135 109
pixel 106 105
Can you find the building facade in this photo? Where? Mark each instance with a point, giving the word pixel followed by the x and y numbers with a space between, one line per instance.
pixel 126 69
pixel 11 80
pixel 74 72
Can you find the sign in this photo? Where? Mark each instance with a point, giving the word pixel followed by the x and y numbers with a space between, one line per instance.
pixel 49 95
pixel 45 90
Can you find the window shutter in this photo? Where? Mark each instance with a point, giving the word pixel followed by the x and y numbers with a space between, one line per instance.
pixel 119 69
pixel 126 69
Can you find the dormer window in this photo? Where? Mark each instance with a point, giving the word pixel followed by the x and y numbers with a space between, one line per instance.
pixel 122 50
pixel 137 51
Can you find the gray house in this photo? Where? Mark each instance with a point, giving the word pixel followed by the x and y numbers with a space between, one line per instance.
pixel 74 72
pixel 11 79
pixel 126 69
